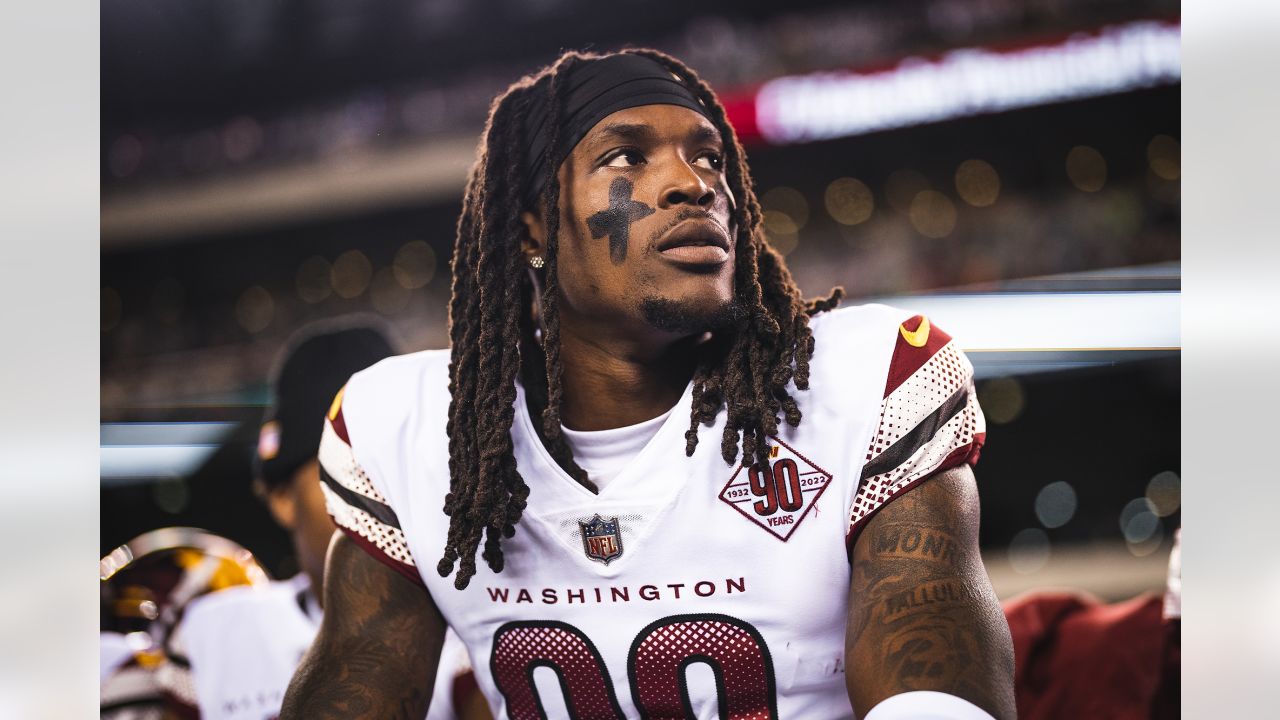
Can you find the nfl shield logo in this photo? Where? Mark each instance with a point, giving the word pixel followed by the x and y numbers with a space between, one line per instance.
pixel 601 538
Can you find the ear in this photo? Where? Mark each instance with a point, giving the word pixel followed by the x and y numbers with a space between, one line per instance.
pixel 283 505
pixel 533 244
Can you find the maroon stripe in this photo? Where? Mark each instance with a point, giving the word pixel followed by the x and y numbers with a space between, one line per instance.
pixel 340 426
pixel 404 569
pixel 908 359
pixel 957 457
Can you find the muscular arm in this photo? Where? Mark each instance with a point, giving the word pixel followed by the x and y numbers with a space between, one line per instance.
pixel 922 614
pixel 376 653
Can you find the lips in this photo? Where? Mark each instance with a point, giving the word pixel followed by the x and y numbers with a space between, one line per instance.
pixel 696 242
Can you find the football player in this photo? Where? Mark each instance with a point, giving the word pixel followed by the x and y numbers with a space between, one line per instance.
pixel 693 493
pixel 243 644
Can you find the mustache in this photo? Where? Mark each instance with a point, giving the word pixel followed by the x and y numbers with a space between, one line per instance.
pixel 688 213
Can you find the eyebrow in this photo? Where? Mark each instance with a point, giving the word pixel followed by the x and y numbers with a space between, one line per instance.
pixel 705 134
pixel 626 132
pixel 641 133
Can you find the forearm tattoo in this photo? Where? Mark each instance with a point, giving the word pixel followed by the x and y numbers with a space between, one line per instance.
pixel 377 659
pixel 922 615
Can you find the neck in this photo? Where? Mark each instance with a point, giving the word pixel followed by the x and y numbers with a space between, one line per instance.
pixel 611 381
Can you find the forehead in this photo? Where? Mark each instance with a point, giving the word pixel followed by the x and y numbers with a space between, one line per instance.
pixel 655 123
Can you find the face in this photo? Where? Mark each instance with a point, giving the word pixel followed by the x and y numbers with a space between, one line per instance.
pixel 645 239
pixel 299 508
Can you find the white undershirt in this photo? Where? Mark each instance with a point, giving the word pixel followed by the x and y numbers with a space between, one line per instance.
pixel 604 453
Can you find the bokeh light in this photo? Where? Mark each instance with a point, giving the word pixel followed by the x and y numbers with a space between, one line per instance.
pixel 1168 192
pixel 849 201
pixel 389 295
pixel 414 265
pixel 1149 544
pixel 777 222
pixel 1164 154
pixel 784 242
pixel 351 274
pixel 1055 504
pixel 1086 168
pixel 255 309
pixel 933 214
pixel 112 309
pixel 312 280
pixel 1137 521
pixel 1001 399
pixel 1164 493
pixel 977 183
pixel 902 187
pixel 1029 550
pixel 788 201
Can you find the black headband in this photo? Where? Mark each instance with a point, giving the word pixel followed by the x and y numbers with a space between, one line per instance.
pixel 597 88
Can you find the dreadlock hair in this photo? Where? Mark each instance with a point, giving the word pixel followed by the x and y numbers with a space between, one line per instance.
pixel 490 312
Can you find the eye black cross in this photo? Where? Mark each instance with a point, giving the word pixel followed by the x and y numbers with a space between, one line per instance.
pixel 615 220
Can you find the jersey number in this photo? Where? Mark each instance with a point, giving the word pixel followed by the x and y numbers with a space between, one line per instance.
pixel 733 649
pixel 777 488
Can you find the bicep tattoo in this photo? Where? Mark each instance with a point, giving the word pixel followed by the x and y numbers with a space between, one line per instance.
pixel 922 612
pixel 376 654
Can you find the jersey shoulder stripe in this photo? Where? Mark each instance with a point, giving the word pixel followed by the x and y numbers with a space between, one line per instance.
pixel 929 421
pixel 918 341
pixel 357 506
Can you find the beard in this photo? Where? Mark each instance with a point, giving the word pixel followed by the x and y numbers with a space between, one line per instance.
pixel 692 317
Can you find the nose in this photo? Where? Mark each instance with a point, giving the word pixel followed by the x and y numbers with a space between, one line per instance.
pixel 686 187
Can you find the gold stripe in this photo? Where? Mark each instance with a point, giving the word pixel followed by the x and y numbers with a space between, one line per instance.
pixel 337 404
pixel 918 337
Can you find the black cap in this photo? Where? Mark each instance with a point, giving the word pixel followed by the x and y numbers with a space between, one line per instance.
pixel 318 361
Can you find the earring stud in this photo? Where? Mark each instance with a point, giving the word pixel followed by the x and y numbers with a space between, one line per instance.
pixel 537 261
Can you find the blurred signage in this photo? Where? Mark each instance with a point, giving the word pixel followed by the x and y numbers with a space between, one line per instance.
pixel 962 82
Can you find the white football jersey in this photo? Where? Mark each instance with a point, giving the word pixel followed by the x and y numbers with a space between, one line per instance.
pixel 244 644
pixel 687 587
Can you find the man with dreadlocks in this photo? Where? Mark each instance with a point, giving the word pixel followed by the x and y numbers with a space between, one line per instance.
pixel 616 308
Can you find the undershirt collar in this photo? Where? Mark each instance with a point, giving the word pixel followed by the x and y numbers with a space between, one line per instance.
pixel 604 453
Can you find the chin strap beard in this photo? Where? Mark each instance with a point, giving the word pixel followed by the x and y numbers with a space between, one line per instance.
pixel 689 317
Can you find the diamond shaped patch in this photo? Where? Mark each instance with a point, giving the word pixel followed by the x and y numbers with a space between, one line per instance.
pixel 777 497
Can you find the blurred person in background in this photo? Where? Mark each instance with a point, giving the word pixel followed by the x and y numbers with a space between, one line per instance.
pixel 1080 657
pixel 612 294
pixel 243 644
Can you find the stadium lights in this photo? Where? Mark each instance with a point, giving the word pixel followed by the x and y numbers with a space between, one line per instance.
pixel 1014 333
pixel 132 452
pixel 969 81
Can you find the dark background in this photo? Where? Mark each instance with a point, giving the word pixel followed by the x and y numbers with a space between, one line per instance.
pixel 208 97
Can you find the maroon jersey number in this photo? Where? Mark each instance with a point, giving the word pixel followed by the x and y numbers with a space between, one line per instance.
pixel 777 486
pixel 734 650
pixel 656 664
pixel 520 647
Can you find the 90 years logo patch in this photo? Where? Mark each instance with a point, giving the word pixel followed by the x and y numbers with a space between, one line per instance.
pixel 779 495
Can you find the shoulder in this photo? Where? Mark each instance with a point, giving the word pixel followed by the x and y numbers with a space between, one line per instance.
pixel 241 599
pixel 395 393
pixel 837 327
pixel 397 384
pixel 900 341
pixel 854 345
pixel 208 620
